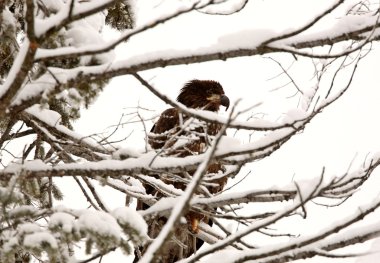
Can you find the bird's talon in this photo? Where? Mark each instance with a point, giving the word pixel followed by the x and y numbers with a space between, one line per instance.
pixel 195 225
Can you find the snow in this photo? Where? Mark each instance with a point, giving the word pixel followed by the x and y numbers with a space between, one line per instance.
pixel 10 244
pixel 34 165
pixel 332 27
pixel 239 152
pixel 329 235
pixel 242 194
pixel 43 25
pixel 28 228
pixel 54 4
pixel 141 163
pixel 48 116
pixel 85 32
pixel 23 210
pixel 5 192
pixel 136 184
pixel 166 203
pixel 244 39
pixel 294 115
pixel 225 255
pixel 154 11
pixel 12 75
pixel 136 188
pixel 129 216
pixel 124 153
pixel 41 239
pixel 166 187
pixel 213 37
pixel 43 85
pixel 63 221
pixel 99 223
pixel 7 18
pixel 51 119
pixel 373 254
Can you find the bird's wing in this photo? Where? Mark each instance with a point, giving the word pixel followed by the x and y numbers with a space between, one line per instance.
pixel 168 120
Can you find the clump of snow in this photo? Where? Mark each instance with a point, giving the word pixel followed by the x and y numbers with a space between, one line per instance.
pixel 71 96
pixel 182 141
pixel 86 32
pixel 42 85
pixel 55 5
pixel 161 205
pixel 227 143
pixel 309 92
pixel 50 117
pixel 38 240
pixel 226 255
pixel 13 73
pixel 294 115
pixel 28 228
pixel 245 38
pixel 308 187
pixel 129 216
pixel 136 184
pixel 100 223
pixel 63 221
pixel 133 185
pixel 8 19
pixel 125 153
pixel 5 193
pixel 34 165
pixel 23 210
pixel 10 244
pixel 373 254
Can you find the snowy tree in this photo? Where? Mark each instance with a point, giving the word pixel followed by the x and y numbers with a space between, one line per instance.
pixel 56 60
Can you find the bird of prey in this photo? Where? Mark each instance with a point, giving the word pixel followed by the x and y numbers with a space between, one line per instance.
pixel 175 134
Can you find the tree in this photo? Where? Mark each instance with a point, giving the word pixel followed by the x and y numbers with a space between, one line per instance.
pixel 54 61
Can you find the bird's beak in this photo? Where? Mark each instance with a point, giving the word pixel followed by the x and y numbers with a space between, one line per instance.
pixel 225 101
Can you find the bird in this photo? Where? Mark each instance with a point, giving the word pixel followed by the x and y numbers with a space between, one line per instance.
pixel 179 135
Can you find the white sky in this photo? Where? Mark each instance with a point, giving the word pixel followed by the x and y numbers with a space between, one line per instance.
pixel 348 128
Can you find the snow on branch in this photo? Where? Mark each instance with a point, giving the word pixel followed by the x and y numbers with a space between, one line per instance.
pixel 69 12
pixel 230 153
pixel 326 240
pixel 121 228
pixel 66 52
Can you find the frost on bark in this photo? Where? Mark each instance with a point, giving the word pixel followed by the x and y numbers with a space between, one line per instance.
pixel 54 60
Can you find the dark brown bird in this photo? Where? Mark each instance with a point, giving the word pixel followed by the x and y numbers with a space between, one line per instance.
pixel 175 134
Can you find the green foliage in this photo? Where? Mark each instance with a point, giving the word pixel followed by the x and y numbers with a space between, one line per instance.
pixel 37 191
pixel 67 113
pixel 7 53
pixel 3 124
pixel 89 91
pixel 120 16
pixel 8 197
pixel 10 25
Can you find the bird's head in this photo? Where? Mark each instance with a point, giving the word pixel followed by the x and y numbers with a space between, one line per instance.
pixel 204 94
